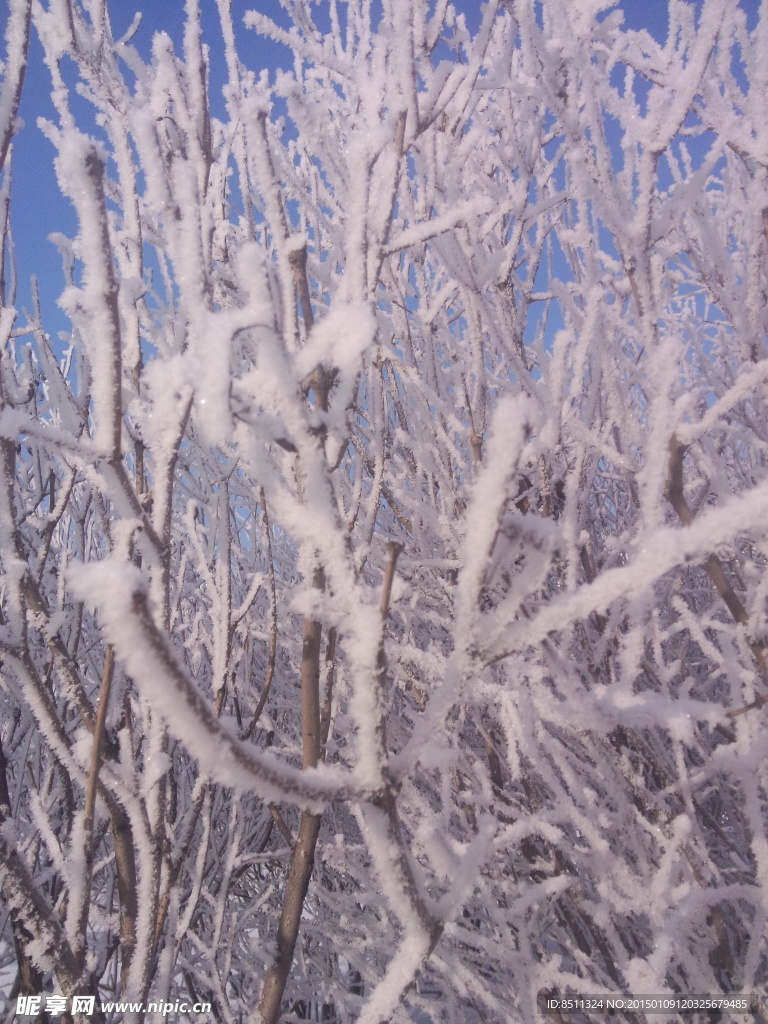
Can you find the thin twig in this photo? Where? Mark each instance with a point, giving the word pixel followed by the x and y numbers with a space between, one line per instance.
pixel 272 654
pixel 284 830
pixel 474 438
pixel 97 753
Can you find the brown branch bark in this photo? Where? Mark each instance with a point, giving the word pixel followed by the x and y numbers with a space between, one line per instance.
pixel 303 856
pixel 97 753
pixel 296 886
pixel 127 887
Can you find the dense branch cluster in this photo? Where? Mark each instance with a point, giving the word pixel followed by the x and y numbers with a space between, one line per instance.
pixel 383 548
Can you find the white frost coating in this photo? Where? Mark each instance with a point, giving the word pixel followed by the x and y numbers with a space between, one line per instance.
pixel 118 591
pixel 338 340
pixel 13 65
pixel 79 168
pixel 514 425
pixel 663 549
pixel 419 233
pixel 513 429
pixel 208 369
pixel 401 970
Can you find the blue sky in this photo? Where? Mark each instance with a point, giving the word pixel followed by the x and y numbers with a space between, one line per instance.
pixel 37 207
